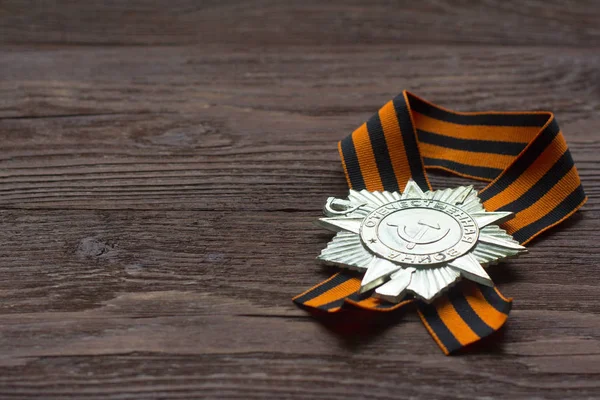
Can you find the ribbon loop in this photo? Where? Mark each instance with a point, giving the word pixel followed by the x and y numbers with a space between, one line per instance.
pixel 522 154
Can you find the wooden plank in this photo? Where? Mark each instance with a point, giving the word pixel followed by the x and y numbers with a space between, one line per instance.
pixel 124 350
pixel 216 159
pixel 159 132
pixel 327 81
pixel 266 22
pixel 64 260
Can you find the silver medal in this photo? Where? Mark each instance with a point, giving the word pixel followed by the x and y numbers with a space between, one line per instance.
pixel 416 242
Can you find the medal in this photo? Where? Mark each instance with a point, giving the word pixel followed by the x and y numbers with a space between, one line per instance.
pixel 416 242
pixel 398 241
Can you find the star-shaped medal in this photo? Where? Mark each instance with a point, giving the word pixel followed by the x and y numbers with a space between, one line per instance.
pixel 416 242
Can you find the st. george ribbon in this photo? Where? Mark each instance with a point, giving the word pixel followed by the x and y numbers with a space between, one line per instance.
pixel 532 178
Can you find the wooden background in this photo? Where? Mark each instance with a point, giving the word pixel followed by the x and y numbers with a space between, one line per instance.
pixel 162 162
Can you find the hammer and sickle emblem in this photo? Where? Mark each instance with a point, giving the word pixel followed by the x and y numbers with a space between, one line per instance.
pixel 420 236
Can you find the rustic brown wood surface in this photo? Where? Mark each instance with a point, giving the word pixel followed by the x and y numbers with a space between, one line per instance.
pixel 161 163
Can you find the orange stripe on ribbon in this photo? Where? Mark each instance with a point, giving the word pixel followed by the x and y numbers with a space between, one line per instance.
pixel 547 203
pixel 491 160
pixel 344 165
pixel 366 158
pixel 515 134
pixel 524 182
pixel 459 328
pixel 395 143
pixel 488 314
pixel 338 292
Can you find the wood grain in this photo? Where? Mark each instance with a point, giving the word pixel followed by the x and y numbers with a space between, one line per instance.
pixel 161 164
pixel 269 22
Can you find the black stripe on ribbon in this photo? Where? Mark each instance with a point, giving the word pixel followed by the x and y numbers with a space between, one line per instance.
pixel 490 119
pixel 560 168
pixel 352 165
pixel 339 303
pixel 333 304
pixel 319 290
pixel 466 312
pixel 537 147
pixel 470 170
pixel 382 154
pixel 409 138
pixel 567 206
pixel 494 299
pixel 360 296
pixel 474 145
pixel 438 327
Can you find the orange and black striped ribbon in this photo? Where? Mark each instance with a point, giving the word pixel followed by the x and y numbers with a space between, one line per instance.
pixel 523 155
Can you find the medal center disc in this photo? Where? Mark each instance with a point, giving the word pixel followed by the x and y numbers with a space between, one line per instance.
pixel 419 232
